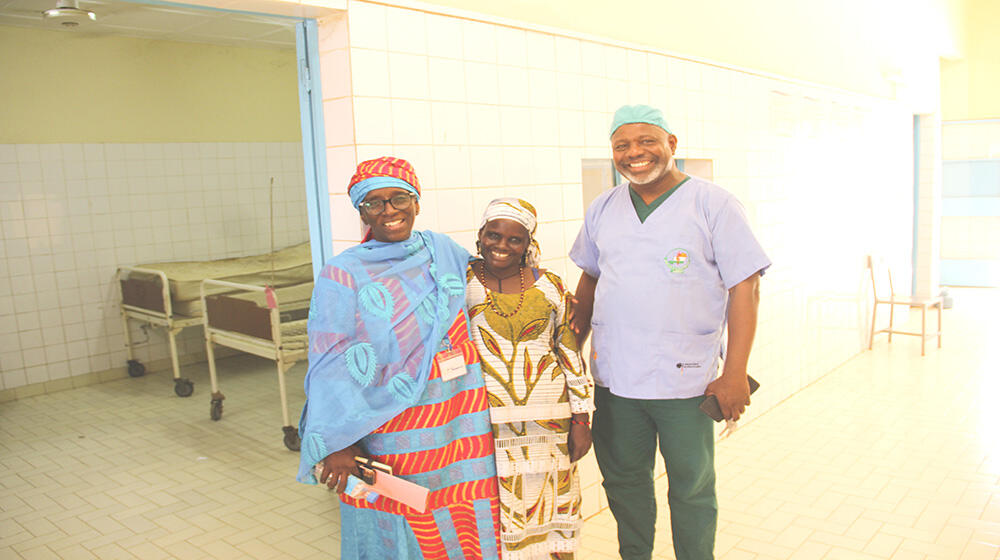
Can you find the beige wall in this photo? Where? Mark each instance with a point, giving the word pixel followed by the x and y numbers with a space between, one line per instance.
pixel 66 87
pixel 970 84
pixel 851 44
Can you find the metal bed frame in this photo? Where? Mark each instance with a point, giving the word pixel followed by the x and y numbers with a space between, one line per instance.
pixel 142 302
pixel 244 325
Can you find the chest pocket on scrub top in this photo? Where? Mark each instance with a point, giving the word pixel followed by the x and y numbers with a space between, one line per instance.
pixel 680 260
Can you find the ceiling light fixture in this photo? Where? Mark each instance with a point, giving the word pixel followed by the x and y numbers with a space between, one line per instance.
pixel 68 13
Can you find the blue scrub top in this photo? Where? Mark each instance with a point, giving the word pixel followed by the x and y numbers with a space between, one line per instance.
pixel 663 287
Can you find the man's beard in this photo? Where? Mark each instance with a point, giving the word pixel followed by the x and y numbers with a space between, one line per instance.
pixel 653 176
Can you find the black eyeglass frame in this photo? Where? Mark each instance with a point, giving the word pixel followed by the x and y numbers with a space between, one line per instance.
pixel 369 205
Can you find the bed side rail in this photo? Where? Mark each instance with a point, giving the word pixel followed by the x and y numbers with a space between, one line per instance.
pixel 145 293
pixel 226 313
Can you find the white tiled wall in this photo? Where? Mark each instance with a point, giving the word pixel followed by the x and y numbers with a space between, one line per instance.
pixel 72 213
pixel 486 110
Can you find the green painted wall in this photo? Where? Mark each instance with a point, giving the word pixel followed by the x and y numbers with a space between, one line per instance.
pixel 58 86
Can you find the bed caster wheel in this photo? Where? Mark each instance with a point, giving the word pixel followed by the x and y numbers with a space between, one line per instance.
pixel 183 387
pixel 135 369
pixel 292 440
pixel 216 412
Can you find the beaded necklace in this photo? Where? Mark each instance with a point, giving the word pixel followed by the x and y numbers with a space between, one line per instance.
pixel 489 293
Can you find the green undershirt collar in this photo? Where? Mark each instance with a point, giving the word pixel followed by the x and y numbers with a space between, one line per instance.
pixel 642 209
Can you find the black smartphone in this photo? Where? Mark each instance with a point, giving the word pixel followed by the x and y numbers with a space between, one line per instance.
pixel 710 405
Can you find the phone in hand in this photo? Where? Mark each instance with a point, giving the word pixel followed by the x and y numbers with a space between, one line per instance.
pixel 710 405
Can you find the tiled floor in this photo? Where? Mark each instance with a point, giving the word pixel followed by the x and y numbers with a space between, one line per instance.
pixel 891 456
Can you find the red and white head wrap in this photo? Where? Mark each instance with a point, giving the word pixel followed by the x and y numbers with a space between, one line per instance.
pixel 522 212
pixel 380 173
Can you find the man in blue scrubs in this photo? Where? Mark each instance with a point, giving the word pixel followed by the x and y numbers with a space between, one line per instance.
pixel 668 262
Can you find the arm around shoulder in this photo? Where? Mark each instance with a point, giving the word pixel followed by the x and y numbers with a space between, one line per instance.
pixel 583 307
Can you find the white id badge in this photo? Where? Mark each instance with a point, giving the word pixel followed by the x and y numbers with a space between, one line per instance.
pixel 451 363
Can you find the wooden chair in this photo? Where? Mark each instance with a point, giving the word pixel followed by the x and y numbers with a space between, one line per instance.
pixel 876 269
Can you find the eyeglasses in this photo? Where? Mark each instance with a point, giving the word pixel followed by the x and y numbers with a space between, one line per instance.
pixel 377 206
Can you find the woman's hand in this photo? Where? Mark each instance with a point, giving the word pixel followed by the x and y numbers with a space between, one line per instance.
pixel 338 465
pixel 579 439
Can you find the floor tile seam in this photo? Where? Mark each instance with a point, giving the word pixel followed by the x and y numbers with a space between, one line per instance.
pixel 215 534
pixel 279 536
pixel 10 541
pixel 173 537
pixel 245 535
pixel 74 540
pixel 105 538
pixel 268 554
pixel 39 530
pixel 43 539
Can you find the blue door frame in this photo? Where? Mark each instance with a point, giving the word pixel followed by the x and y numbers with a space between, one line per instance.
pixel 313 143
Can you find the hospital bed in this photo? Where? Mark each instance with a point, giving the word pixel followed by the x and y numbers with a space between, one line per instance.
pixel 261 320
pixel 167 294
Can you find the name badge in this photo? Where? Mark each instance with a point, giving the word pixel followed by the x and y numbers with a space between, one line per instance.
pixel 451 363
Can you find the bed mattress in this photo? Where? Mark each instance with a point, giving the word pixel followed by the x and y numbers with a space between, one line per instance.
pixel 293 336
pixel 285 267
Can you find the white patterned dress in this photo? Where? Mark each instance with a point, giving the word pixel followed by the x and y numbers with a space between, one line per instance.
pixel 535 380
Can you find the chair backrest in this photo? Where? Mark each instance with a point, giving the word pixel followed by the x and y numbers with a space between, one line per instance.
pixel 880 273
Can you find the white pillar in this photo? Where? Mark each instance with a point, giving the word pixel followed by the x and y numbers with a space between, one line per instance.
pixel 926 266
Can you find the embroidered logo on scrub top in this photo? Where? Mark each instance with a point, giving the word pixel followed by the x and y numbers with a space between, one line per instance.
pixel 677 260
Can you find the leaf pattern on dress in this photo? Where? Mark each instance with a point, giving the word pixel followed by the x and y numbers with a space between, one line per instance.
pixel 490 372
pixel 475 310
pixel 562 357
pixel 564 397
pixel 518 431
pixel 527 368
pixel 506 482
pixel 565 481
pixel 492 345
pixel 494 400
pixel 557 425
pixel 533 329
pixel 544 362
pixel 556 281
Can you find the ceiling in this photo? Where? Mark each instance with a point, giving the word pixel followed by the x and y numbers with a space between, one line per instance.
pixel 161 21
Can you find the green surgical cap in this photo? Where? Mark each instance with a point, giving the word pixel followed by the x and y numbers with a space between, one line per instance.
pixel 628 114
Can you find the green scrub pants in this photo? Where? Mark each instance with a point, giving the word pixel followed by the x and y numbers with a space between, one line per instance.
pixel 625 435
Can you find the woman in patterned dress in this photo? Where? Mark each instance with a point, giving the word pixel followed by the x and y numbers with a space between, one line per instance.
pixel 394 376
pixel 540 396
